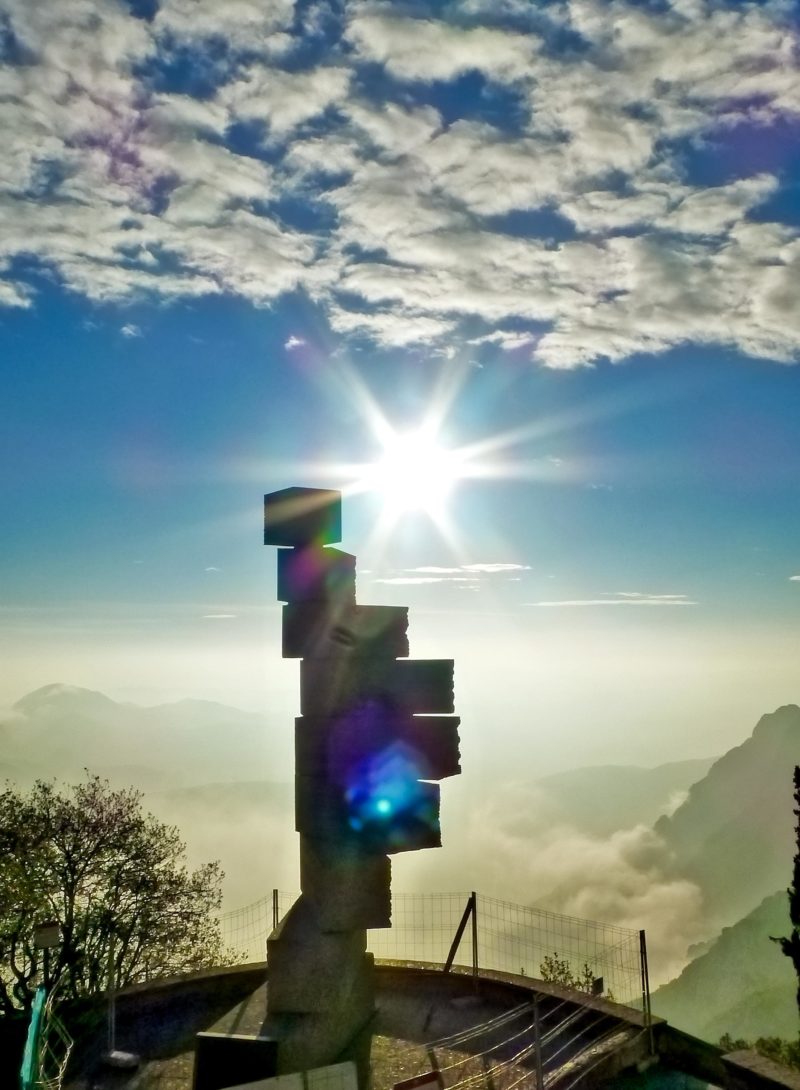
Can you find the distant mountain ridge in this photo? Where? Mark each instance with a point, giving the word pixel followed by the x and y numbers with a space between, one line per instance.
pixel 60 730
pixel 734 833
pixel 59 696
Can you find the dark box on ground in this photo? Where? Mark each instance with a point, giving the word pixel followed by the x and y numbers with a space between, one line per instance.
pixel 223 1059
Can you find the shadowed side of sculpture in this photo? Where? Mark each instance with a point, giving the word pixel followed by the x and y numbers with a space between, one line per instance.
pixel 375 727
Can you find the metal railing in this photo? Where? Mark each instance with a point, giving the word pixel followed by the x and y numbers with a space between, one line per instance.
pixel 595 957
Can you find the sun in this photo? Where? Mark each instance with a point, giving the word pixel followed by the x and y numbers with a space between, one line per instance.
pixel 415 469
pixel 414 473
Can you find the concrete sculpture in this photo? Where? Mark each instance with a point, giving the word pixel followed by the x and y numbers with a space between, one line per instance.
pixel 375 728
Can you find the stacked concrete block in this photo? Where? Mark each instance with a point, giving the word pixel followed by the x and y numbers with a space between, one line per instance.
pixel 336 962
pixel 345 885
pixel 375 728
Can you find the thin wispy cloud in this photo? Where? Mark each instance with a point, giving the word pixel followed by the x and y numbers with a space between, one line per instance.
pixel 471 574
pixel 131 330
pixel 794 578
pixel 219 616
pixel 496 569
pixel 507 340
pixel 627 598
pixel 433 569
pixel 636 596
pixel 293 342
pixel 121 184
pixel 420 580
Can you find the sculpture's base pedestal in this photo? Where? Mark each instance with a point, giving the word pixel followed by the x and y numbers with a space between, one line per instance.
pixel 306 1041
pixel 320 991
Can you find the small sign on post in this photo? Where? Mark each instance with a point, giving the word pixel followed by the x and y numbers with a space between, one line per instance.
pixel 47 935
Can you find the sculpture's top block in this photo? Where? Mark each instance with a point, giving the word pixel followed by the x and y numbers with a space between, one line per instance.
pixel 303 516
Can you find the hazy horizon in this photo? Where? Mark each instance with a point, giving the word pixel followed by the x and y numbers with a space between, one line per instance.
pixel 597 693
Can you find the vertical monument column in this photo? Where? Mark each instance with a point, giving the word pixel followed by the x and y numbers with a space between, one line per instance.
pixel 375 728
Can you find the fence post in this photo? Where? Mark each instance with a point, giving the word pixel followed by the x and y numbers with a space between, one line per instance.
pixel 469 910
pixel 474 902
pixel 275 909
pixel 646 1010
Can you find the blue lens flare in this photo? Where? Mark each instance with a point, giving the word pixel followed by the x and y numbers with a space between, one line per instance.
pixel 386 802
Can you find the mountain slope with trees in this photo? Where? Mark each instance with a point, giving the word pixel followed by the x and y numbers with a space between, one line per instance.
pixel 741 985
pixel 734 834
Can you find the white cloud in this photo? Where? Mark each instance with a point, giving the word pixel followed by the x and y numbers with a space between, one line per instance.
pixel 131 330
pixel 293 342
pixel 83 128
pixel 495 569
pixel 426 49
pixel 208 178
pixel 394 129
pixel 506 339
pixel 419 580
pixel 182 113
pixel 794 578
pixel 329 154
pixel 251 24
pixel 14 295
pixel 121 190
pixel 470 574
pixel 285 99
pixel 219 616
pixel 623 598
pixel 392 328
pixel 604 112
pixel 491 173
pixel 669 205
pixel 434 569
pixel 490 569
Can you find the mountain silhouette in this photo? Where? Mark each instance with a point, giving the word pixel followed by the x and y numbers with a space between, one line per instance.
pixel 734 834
pixel 59 698
pixel 61 730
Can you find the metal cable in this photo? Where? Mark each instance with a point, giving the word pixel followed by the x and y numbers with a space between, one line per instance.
pixel 492 1048
pixel 606 1037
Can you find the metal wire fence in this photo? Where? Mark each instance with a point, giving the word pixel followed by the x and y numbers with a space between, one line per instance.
pixel 499 936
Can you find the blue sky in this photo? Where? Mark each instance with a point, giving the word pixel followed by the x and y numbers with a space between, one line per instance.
pixel 234 237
